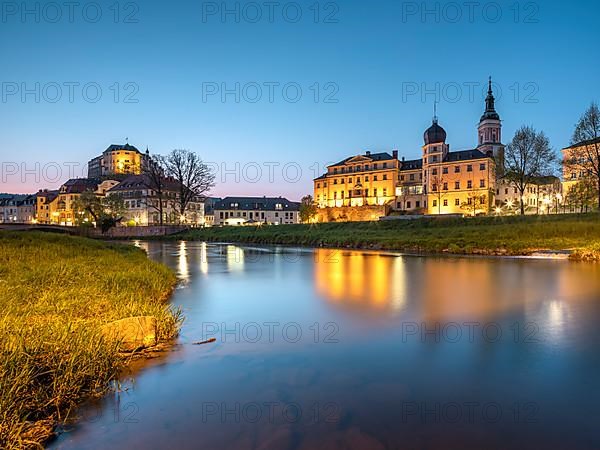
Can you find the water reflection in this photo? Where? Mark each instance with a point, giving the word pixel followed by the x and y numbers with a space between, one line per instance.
pixel 203 258
pixel 183 268
pixel 361 279
pixel 442 289
pixel 370 372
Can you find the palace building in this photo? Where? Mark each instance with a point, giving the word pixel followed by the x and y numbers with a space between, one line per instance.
pixel 118 160
pixel 365 187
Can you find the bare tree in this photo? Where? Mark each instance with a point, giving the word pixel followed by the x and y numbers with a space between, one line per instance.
pixel 586 158
pixel 193 177
pixel 475 203
pixel 528 156
pixel 155 174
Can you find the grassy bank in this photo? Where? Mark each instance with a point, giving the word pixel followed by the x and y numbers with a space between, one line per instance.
pixel 484 235
pixel 56 293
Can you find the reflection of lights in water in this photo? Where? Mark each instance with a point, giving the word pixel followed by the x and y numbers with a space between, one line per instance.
pixel 398 284
pixel 235 258
pixel 141 244
pixel 558 314
pixel 203 258
pixel 361 279
pixel 182 265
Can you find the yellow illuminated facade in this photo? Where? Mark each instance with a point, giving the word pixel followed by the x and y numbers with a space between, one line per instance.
pixel 46 207
pixel 361 180
pixel 577 163
pixel 118 160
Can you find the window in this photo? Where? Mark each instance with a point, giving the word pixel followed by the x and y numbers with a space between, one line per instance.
pixel 456 169
pixel 418 203
pixel 350 180
pixel 385 176
pixel 445 202
pixel 457 185
pixel 445 170
pixel 367 178
pixel 481 183
pixel 434 171
pixel 408 205
pixel 435 203
pixel 384 192
pixel 334 181
pixel 374 178
pixel 469 184
pixel 445 186
pixel 385 165
pixel 434 188
pixel 506 191
pixel 456 202
pixel 469 168
pixel 482 166
pixel 401 177
pixel 412 177
pixel 375 192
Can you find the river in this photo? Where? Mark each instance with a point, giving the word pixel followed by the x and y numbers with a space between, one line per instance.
pixel 343 349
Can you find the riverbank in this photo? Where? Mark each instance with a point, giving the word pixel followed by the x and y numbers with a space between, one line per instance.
pixel 505 236
pixel 57 292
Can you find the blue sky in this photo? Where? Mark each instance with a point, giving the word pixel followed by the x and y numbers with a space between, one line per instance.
pixel 377 68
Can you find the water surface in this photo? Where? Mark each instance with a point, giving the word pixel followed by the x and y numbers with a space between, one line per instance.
pixel 338 349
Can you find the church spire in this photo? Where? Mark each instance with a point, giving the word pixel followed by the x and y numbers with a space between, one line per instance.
pixel 435 117
pixel 490 108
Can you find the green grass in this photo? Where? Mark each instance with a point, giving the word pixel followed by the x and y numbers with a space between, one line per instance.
pixel 514 235
pixel 56 292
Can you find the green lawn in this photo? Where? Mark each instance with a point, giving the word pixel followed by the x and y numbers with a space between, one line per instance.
pixel 56 293
pixel 514 235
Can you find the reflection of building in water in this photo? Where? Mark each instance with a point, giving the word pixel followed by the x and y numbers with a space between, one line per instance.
pixel 360 279
pixel 450 289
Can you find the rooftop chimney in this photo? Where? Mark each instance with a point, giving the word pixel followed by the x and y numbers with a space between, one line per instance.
pixel 395 154
pixel 368 153
pixel 403 159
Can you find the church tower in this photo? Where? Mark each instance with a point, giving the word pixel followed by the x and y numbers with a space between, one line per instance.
pixel 490 131
pixel 435 150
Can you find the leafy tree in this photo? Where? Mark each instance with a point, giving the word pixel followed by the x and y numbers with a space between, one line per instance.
pixel 113 206
pixel 87 205
pixel 528 156
pixel 586 159
pixel 194 178
pixel 308 208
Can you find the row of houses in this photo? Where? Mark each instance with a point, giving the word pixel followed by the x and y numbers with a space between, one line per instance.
pixel 118 171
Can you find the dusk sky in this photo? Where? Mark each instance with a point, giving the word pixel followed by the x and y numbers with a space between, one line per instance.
pixel 368 72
